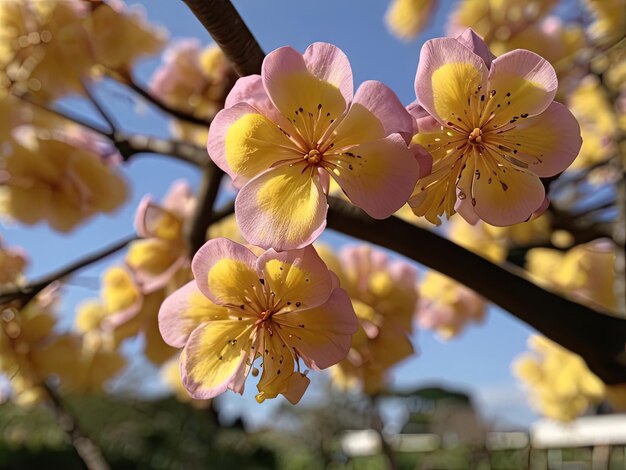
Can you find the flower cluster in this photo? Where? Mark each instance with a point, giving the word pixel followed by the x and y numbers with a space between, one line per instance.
pixel 481 134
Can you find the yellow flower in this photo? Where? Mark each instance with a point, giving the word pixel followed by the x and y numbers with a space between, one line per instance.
pixel 12 264
pixel 585 271
pixel 598 123
pixel 120 36
pixel 43 48
pixel 407 18
pixel 560 384
pixel 60 179
pixel 609 20
pixel 122 312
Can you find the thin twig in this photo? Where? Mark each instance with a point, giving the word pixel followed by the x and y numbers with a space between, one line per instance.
pixel 88 451
pixel 130 145
pixel 160 104
pixel 64 115
pixel 26 293
pixel 104 114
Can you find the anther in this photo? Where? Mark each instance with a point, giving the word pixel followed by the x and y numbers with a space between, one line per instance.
pixel 475 136
pixel 314 156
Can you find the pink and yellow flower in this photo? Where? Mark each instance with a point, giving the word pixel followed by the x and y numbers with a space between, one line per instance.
pixel 281 307
pixel 283 134
pixel 494 131
pixel 157 258
pixel 384 294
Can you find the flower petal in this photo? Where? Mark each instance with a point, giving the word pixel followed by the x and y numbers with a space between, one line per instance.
pixel 152 220
pixel 474 43
pixel 524 84
pixel 244 143
pixel 327 62
pixel 505 195
pixel 359 125
pixel 295 387
pixel 377 176
pixel 547 143
pixel 225 271
pixel 448 78
pixel 299 278
pixel 213 355
pixel 321 335
pixel 300 95
pixel 381 101
pixel 277 365
pixel 183 311
pixel 283 208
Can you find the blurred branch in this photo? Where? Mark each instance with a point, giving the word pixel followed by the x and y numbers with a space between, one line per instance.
pixel 65 115
pixel 130 145
pixel 133 144
pixel 88 451
pixel 598 337
pixel 104 114
pixel 222 21
pixel 203 213
pixel 25 294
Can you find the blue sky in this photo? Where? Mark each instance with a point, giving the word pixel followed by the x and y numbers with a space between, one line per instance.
pixel 477 362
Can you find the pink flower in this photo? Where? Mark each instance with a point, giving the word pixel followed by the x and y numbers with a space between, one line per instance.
pixel 494 131
pixel 283 133
pixel 281 307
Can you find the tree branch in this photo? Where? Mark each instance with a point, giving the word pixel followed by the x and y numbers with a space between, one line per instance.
pixel 203 213
pixel 598 337
pixel 222 21
pixel 131 145
pixel 87 450
pixel 26 293
pixel 158 103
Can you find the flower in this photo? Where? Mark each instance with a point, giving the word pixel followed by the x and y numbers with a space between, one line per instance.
pixel 497 21
pixel 44 48
pixel 447 306
pixel 162 253
pixel 406 18
pixel 493 132
pixel 119 47
pixel 123 311
pixel 283 133
pixel 561 385
pixel 586 271
pixel 60 177
pixel 385 296
pixel 193 80
pixel 12 264
pixel 281 307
